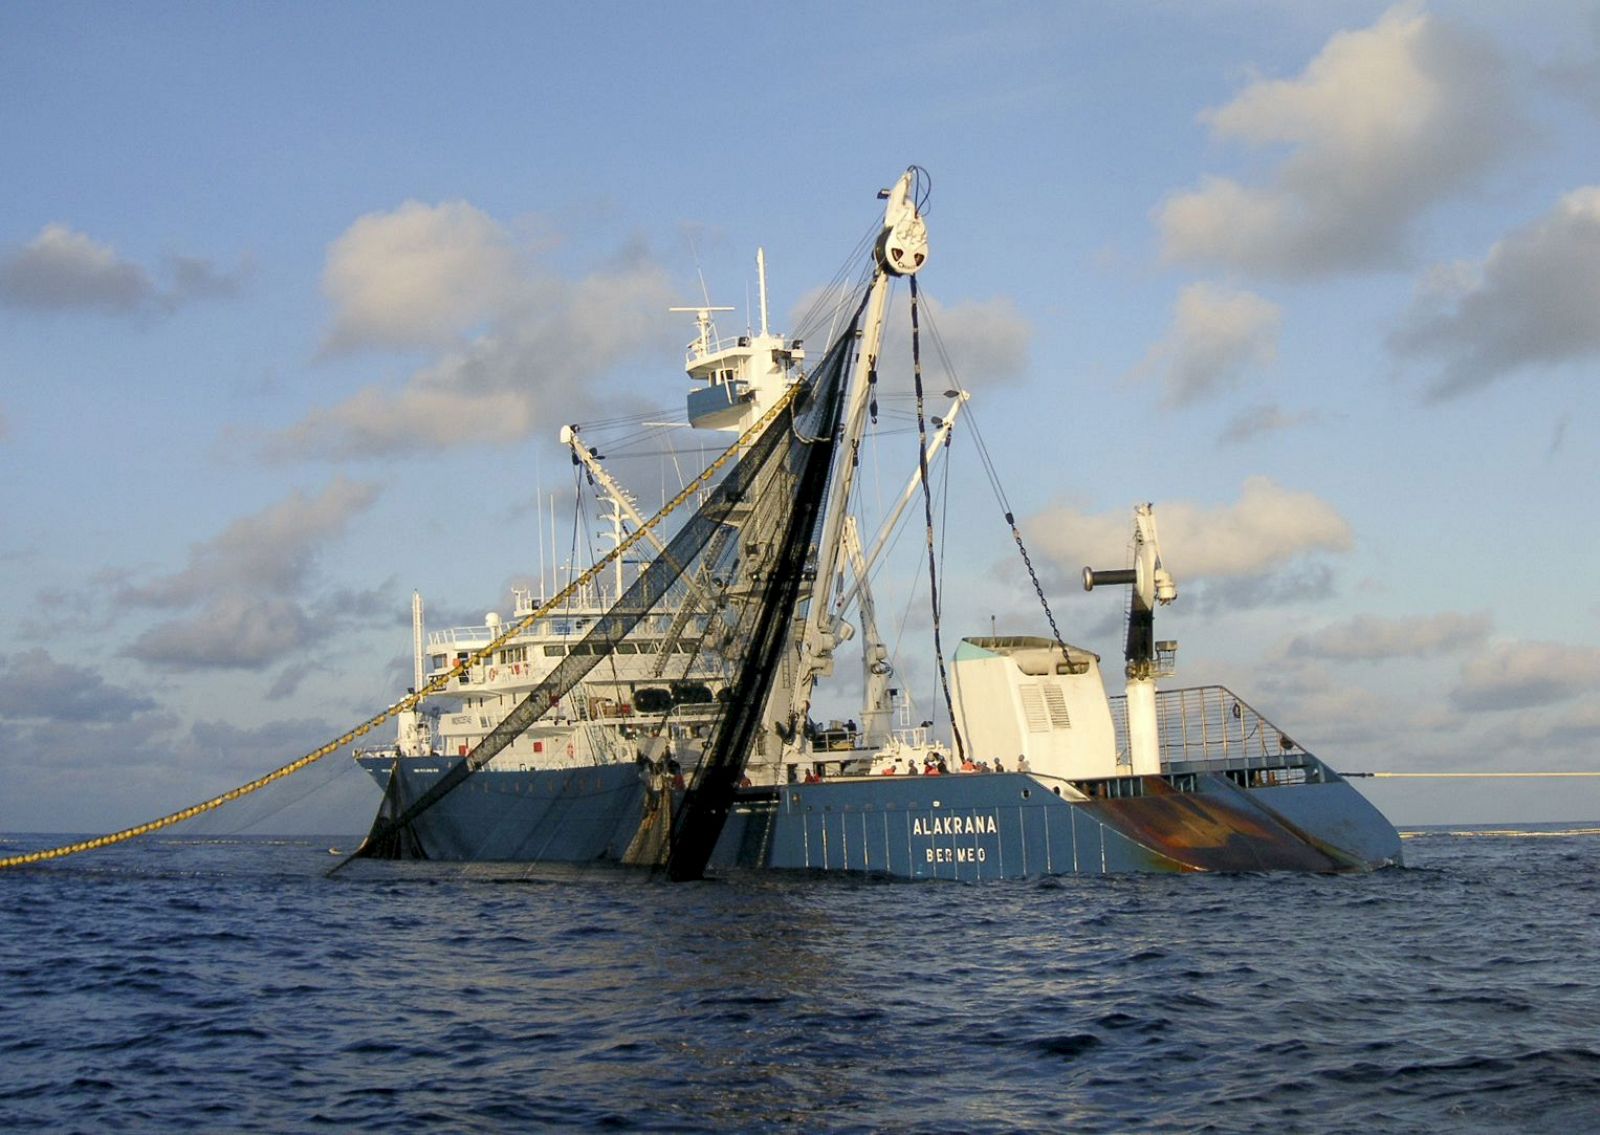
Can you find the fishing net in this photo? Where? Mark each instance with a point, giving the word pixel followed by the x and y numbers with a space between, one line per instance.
pixel 720 599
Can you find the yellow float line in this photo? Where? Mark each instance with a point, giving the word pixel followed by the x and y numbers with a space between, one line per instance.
pixel 433 687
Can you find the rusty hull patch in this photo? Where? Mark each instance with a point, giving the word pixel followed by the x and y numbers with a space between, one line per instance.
pixel 1210 831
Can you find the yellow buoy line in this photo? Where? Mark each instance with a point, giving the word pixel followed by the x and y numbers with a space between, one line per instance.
pixel 438 684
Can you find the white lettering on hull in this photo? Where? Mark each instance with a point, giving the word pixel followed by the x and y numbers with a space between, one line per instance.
pixel 957 855
pixel 955 825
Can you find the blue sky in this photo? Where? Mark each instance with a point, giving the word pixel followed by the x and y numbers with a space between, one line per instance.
pixel 293 300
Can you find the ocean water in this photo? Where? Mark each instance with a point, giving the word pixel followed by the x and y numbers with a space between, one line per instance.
pixel 231 986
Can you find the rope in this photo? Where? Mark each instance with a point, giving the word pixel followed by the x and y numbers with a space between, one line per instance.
pixel 999 491
pixel 927 512
pixel 1420 775
pixel 437 685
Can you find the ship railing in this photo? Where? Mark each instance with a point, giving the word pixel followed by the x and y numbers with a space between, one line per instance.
pixel 565 626
pixel 1214 727
pixel 714 346
pixel 453 636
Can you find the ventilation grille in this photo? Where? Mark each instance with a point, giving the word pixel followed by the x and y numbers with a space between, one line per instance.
pixel 1057 701
pixel 1033 708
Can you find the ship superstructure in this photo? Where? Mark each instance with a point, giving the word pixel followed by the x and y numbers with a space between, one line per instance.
pixel 662 714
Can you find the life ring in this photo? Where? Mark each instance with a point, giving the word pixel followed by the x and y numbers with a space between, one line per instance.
pixel 572 750
pixel 493 673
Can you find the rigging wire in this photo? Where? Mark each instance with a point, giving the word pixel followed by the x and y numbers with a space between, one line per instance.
pixel 1011 520
pixel 437 685
pixel 995 485
pixel 927 510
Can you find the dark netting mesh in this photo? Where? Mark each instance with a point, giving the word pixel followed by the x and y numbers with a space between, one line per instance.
pixel 737 565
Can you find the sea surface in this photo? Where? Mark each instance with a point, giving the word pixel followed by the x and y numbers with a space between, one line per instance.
pixel 230 985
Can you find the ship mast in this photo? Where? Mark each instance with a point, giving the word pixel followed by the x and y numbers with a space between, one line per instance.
pixel 876 668
pixel 1146 658
pixel 901 250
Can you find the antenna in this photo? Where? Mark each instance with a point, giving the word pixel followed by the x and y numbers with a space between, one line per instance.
pixel 702 323
pixel 538 524
pixel 761 274
pixel 694 251
pixel 416 640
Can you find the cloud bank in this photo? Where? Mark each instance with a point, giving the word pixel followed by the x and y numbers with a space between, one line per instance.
pixel 1369 638
pixel 34 687
pixel 1524 675
pixel 1217 336
pixel 513 337
pixel 417 277
pixel 1533 301
pixel 1384 122
pixel 249 587
pixel 1267 528
pixel 63 270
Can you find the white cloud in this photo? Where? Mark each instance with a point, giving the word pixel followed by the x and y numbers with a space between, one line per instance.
pixel 545 347
pixel 65 270
pixel 234 629
pixel 1522 675
pixel 35 687
pixel 1381 124
pixel 1533 301
pixel 376 421
pixel 270 551
pixel 417 277
pixel 1295 581
pixel 247 587
pixel 1217 336
pixel 1371 638
pixel 1267 528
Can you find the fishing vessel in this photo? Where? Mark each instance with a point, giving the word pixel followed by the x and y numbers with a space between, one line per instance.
pixel 657 710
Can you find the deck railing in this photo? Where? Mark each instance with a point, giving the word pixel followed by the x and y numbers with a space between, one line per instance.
pixel 1209 725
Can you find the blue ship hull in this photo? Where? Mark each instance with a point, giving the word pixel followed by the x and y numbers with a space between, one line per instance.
pixel 967 827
